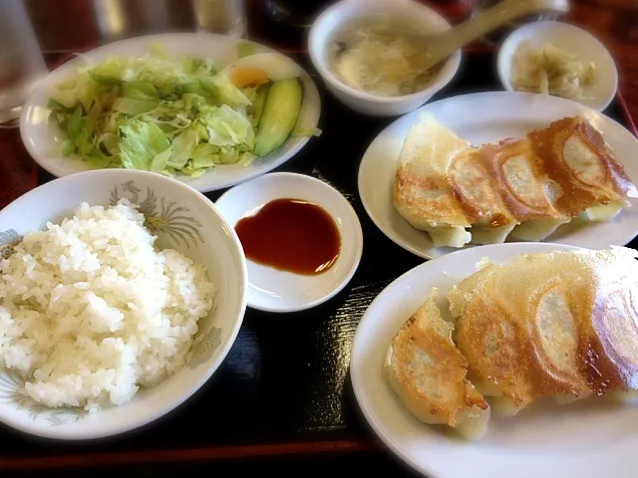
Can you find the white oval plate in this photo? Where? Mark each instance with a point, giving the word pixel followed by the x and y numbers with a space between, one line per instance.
pixel 586 440
pixel 273 290
pixel 582 44
pixel 490 117
pixel 43 139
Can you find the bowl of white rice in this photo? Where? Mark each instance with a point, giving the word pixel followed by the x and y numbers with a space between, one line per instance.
pixel 121 293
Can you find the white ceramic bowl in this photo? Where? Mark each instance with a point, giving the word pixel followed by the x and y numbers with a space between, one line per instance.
pixel 582 44
pixel 339 15
pixel 274 290
pixel 197 230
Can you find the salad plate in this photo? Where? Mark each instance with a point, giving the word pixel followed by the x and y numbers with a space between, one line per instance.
pixel 488 118
pixel 226 128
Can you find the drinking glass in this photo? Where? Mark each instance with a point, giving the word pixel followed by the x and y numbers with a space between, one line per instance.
pixel 227 17
pixel 295 13
pixel 21 61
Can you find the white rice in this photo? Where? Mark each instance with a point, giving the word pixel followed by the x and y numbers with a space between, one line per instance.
pixel 90 311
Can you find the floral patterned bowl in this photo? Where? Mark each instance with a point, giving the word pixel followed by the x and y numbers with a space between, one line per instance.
pixel 183 219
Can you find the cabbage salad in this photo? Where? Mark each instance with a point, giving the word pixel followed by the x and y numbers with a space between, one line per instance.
pixel 158 114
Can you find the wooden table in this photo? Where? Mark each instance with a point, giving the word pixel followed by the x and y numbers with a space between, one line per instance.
pixel 615 23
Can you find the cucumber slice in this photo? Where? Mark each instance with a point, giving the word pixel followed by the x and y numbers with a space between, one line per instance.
pixel 281 111
pixel 258 104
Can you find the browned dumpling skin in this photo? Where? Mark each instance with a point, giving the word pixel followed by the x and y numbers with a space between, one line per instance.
pixel 558 324
pixel 422 193
pixel 428 373
pixel 525 188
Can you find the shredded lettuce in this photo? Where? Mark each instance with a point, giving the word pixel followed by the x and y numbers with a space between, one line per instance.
pixel 141 145
pixel 158 114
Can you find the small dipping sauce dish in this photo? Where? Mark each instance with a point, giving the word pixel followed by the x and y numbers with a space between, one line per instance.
pixel 302 239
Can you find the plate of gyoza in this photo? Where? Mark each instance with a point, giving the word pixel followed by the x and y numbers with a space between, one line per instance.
pixel 507 360
pixel 488 168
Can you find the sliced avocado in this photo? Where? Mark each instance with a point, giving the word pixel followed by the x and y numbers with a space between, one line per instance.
pixel 279 117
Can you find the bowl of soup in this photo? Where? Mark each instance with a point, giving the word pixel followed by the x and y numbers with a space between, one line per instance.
pixel 366 53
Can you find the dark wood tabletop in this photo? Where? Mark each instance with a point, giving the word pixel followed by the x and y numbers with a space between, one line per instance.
pixel 285 381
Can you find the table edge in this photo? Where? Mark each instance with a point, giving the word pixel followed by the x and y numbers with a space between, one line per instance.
pixel 81 460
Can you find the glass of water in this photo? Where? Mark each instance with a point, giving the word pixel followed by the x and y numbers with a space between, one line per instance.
pixel 227 17
pixel 296 13
pixel 21 61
